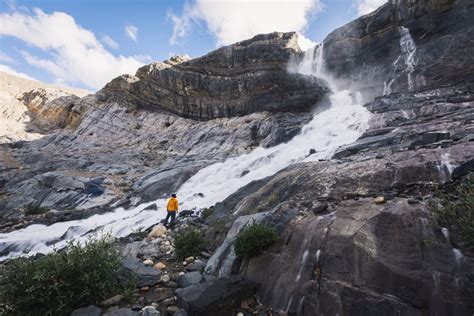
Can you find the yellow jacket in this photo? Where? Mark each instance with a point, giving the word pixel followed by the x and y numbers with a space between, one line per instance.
pixel 172 205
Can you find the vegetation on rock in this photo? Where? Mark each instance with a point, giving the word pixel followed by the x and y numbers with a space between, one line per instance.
pixel 32 209
pixel 61 281
pixel 455 211
pixel 254 239
pixel 206 213
pixel 188 243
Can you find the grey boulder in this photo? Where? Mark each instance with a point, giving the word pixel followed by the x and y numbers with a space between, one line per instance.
pixel 122 312
pixel 215 298
pixel 146 276
pixel 90 310
pixel 189 279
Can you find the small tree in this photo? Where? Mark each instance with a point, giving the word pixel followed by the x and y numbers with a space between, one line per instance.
pixel 254 239
pixel 455 210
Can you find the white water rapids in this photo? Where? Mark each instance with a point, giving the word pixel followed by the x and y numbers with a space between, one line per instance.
pixel 342 123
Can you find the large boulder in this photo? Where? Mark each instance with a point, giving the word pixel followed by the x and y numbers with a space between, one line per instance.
pixel 146 276
pixel 90 310
pixel 363 259
pixel 122 312
pixel 189 279
pixel 218 297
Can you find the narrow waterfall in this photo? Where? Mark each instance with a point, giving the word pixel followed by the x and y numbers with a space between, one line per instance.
pixel 405 64
pixel 445 167
pixel 341 124
pixel 408 47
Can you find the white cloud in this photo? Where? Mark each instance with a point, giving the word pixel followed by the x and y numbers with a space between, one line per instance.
pixel 74 55
pixel 181 25
pixel 107 40
pixel 12 71
pixel 5 58
pixel 367 6
pixel 131 32
pixel 234 20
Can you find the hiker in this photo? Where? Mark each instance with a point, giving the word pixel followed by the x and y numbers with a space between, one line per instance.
pixel 172 209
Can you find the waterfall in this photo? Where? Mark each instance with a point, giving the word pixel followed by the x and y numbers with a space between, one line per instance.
pixel 445 167
pixel 425 227
pixel 341 124
pixel 405 63
pixel 458 256
pixel 408 48
pixel 302 264
pixel 445 232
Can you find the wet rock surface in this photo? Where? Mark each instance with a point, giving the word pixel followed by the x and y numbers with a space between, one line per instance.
pixel 217 297
pixel 357 232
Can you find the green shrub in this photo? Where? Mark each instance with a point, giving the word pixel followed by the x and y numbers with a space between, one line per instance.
pixel 254 239
pixel 206 213
pixel 61 281
pixel 32 209
pixel 455 210
pixel 429 241
pixel 188 243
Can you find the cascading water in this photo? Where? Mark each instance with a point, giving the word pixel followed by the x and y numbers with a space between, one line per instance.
pixel 341 124
pixel 408 47
pixel 457 254
pixel 445 167
pixel 408 57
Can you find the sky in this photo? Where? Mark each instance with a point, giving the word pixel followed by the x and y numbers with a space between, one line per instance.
pixel 87 43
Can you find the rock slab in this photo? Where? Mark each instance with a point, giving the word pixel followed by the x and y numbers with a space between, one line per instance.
pixel 215 298
pixel 147 276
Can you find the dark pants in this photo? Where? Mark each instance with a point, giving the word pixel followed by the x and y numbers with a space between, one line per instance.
pixel 171 215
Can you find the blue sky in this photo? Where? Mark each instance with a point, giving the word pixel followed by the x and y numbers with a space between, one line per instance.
pixel 85 43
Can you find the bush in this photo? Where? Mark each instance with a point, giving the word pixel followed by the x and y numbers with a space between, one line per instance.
pixel 455 211
pixel 32 209
pixel 206 213
pixel 61 281
pixel 254 239
pixel 188 243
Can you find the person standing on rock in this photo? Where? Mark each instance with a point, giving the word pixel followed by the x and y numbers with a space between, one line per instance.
pixel 172 210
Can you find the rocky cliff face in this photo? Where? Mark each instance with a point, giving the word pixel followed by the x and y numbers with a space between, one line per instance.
pixel 404 45
pixel 17 117
pixel 247 77
pixel 140 137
